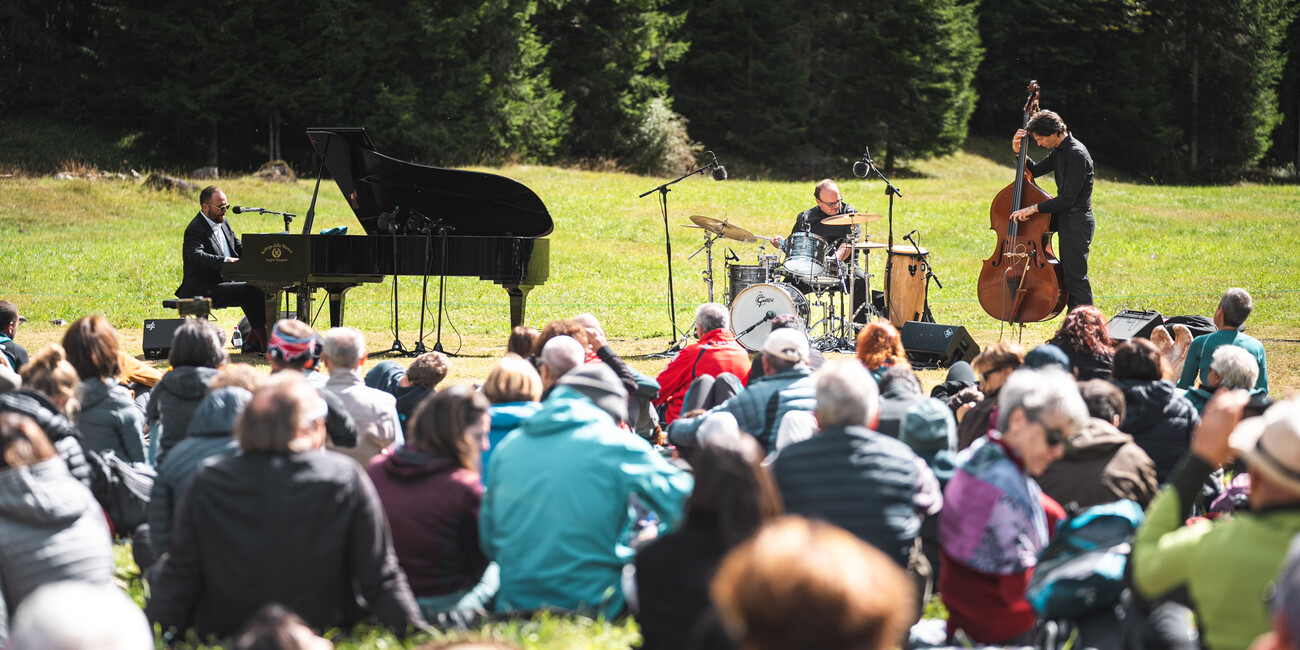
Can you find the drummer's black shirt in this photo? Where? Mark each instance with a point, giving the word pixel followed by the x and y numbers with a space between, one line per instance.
pixel 813 218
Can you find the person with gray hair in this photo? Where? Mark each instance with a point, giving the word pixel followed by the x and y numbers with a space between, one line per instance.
pixel 716 355
pixel 1230 317
pixel 1231 367
pixel 867 483
pixel 763 405
pixel 559 356
pixel 77 615
pixel 280 522
pixel 374 411
pixel 994 523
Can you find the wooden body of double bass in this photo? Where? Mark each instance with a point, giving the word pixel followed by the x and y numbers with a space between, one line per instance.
pixel 1022 282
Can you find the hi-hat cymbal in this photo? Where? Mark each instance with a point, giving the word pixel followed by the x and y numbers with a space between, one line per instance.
pixel 852 218
pixel 724 229
pixel 870 245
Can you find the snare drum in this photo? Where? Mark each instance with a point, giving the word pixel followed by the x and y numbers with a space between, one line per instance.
pixel 740 276
pixel 751 306
pixel 905 288
pixel 805 254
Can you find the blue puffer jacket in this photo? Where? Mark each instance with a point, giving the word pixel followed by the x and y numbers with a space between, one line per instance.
pixel 506 417
pixel 792 389
pixel 109 420
pixel 555 514
pixel 1160 420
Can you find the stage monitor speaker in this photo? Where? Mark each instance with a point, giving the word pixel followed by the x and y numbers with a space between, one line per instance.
pixel 936 343
pixel 158 336
pixel 1134 324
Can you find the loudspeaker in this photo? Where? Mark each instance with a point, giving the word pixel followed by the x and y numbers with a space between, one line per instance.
pixel 1134 324
pixel 935 343
pixel 158 336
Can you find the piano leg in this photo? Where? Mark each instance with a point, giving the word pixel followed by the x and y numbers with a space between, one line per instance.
pixel 304 293
pixel 272 307
pixel 518 302
pixel 337 293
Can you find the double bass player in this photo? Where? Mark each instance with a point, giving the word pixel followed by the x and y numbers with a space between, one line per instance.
pixel 1071 208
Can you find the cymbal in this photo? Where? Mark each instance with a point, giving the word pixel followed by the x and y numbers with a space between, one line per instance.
pixel 724 229
pixel 870 245
pixel 852 218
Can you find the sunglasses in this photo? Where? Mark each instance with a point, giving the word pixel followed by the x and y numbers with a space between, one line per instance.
pixel 1054 436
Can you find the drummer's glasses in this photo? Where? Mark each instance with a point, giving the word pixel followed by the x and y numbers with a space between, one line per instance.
pixel 831 204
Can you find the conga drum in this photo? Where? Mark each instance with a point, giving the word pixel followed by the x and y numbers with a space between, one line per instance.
pixel 905 284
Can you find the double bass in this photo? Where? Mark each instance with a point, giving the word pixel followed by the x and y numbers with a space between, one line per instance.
pixel 1022 282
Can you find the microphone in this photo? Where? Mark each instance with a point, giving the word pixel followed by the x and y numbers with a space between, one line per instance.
pixel 731 256
pixel 719 173
pixel 239 210
pixel 908 236
pixel 862 167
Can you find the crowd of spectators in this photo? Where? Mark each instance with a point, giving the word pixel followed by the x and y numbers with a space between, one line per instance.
pixel 728 503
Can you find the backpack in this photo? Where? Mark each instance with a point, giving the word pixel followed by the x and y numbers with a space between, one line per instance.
pixel 1082 569
pixel 122 488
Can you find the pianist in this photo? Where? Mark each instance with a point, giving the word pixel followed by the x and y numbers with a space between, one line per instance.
pixel 209 243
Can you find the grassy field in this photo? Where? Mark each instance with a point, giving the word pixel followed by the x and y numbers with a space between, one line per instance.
pixel 74 247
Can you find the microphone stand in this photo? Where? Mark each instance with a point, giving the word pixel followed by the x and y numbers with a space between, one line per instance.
pixel 663 190
pixel 770 315
pixel 891 192
pixel 397 347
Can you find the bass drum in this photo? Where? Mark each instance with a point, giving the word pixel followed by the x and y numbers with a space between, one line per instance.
pixel 752 305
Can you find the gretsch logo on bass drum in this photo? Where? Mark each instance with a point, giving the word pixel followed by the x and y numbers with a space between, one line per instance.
pixel 277 253
pixel 763 299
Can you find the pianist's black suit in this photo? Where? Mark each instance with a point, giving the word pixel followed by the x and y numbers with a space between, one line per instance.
pixel 201 253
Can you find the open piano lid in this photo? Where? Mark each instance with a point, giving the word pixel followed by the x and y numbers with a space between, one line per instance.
pixel 473 203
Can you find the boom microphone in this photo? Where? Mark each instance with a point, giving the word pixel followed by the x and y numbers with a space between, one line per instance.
pixel 863 166
pixel 719 173
pixel 239 210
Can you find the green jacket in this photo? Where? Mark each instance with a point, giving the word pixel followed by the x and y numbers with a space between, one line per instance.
pixel 1227 566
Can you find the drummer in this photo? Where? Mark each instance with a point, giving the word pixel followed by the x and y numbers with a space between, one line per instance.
pixel 829 204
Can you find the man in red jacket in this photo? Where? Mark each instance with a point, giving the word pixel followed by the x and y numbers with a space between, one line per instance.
pixel 716 352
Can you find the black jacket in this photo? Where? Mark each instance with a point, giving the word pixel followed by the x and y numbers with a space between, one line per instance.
pixel 64 436
pixel 1160 420
pixel 299 529
pixel 857 479
pixel 202 258
pixel 672 581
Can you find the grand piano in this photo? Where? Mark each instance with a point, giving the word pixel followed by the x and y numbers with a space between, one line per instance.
pixel 489 226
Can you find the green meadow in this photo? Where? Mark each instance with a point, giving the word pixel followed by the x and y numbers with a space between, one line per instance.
pixel 74 247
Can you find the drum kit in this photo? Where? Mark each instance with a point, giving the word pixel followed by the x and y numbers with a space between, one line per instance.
pixel 759 292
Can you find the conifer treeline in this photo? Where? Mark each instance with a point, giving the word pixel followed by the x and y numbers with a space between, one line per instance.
pixel 1171 89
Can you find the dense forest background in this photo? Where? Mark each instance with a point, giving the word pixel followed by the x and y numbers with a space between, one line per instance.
pixel 1169 90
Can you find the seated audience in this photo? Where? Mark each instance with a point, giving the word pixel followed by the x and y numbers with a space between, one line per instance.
pixel 211 436
pixel 715 353
pixel 977 417
pixel 564 327
pixel 9 378
pixel 1048 356
pixel 880 348
pixel 9 348
pixel 734 496
pixel 294 347
pixel 276 628
pixel 1225 568
pixel 198 350
pixel 78 615
pixel 1232 368
pixel 1159 419
pixel 280 522
pixel 374 411
pixel 960 377
pixel 430 490
pixel 1101 463
pixel 409 385
pixel 555 510
pixel 522 338
pixel 108 419
pixel 803 583
pixel 51 528
pixel 995 518
pixel 867 483
pixel 900 390
pixel 761 407
pixel 786 321
pixel 514 390
pixel 558 356
pixel 1085 339
pixel 1234 308
pixel 48 394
